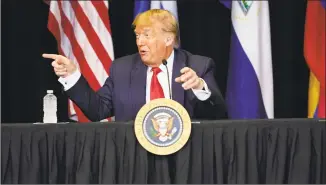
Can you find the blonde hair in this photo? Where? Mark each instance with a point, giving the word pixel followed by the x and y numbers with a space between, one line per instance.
pixel 164 17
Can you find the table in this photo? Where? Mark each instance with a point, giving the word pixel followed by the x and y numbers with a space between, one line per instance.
pixel 226 151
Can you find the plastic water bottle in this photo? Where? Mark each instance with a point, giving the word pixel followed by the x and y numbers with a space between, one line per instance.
pixel 50 107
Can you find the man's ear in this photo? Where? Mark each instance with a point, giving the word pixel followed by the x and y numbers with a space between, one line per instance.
pixel 168 41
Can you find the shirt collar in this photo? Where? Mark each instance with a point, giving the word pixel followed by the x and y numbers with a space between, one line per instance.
pixel 170 59
pixel 169 63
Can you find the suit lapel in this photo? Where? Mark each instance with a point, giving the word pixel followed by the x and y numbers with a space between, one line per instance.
pixel 138 84
pixel 177 90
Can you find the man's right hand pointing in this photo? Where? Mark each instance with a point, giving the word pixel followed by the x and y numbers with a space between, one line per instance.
pixel 62 66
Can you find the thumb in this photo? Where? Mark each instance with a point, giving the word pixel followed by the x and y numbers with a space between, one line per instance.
pixel 62 60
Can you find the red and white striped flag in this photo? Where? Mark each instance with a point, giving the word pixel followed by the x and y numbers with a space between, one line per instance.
pixel 83 34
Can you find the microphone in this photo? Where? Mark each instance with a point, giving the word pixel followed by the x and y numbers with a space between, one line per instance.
pixel 164 63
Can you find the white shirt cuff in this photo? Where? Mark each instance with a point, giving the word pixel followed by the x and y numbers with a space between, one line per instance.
pixel 70 80
pixel 202 94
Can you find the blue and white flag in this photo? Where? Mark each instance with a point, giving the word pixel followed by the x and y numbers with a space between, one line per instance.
pixel 249 92
pixel 141 6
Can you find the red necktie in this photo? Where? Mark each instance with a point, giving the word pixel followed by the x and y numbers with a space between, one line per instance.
pixel 156 88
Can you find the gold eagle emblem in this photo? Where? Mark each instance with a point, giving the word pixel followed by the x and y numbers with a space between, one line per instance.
pixel 163 128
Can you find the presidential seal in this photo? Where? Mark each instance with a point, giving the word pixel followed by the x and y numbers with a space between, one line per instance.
pixel 162 126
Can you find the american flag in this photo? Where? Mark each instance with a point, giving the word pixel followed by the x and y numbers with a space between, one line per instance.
pixel 83 34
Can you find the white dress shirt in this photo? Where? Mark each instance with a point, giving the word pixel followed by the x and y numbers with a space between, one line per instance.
pixel 202 95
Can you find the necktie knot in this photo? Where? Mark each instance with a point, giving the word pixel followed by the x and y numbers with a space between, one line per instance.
pixel 156 70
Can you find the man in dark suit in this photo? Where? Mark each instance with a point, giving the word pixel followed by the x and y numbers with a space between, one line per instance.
pixel 136 79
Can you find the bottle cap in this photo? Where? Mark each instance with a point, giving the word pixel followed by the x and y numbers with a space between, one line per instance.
pixel 49 91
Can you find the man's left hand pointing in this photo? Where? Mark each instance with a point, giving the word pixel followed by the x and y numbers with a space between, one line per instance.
pixel 189 79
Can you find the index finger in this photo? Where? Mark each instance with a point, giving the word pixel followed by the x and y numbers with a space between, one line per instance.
pixel 184 70
pixel 52 56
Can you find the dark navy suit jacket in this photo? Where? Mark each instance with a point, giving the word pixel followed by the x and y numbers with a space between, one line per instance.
pixel 124 91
